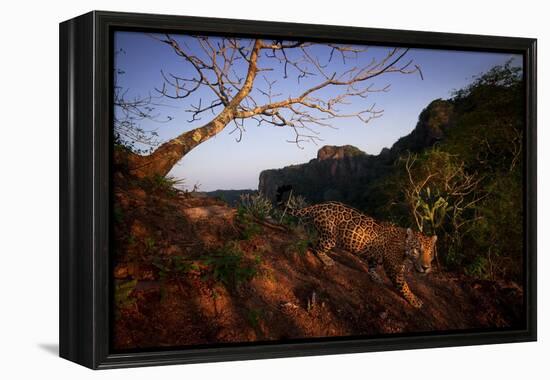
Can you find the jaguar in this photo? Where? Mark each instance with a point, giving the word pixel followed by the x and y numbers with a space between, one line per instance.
pixel 339 225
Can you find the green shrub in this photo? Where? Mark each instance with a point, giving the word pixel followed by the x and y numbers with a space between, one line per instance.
pixel 118 214
pixel 248 227
pixel 478 268
pixel 301 245
pixel 123 291
pixel 174 266
pixel 149 244
pixel 254 316
pixel 229 266
pixel 467 188
pixel 168 184
pixel 256 205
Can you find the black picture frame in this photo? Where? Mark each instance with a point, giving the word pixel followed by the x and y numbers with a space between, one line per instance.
pixel 86 56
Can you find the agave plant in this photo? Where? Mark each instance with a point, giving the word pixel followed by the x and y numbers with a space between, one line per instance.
pixel 255 204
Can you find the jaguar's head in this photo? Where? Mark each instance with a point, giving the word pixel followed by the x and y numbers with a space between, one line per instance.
pixel 421 250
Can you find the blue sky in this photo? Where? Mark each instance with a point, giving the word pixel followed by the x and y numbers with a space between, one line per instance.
pixel 223 163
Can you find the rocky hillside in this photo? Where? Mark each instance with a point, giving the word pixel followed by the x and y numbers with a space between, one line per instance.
pixel 344 173
pixel 193 270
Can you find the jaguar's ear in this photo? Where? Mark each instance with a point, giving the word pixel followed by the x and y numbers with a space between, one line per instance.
pixel 409 234
pixel 434 238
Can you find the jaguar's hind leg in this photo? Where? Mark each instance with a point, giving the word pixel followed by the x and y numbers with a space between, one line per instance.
pixel 369 256
pixel 324 245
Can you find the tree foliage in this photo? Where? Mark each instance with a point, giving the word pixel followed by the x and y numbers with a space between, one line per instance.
pixel 467 188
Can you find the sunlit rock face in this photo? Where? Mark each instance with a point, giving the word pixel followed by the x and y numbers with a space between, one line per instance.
pixel 343 173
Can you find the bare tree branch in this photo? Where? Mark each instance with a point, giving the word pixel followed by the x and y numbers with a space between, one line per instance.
pixel 229 67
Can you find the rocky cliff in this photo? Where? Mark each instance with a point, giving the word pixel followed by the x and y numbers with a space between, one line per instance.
pixel 343 173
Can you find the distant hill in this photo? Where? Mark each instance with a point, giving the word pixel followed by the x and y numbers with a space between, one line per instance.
pixel 231 197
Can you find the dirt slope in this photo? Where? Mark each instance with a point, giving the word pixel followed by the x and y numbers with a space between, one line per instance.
pixel 178 283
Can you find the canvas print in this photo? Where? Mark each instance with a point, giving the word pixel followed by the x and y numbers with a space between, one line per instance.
pixel 268 190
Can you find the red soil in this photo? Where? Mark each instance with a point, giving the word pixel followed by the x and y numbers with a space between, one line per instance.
pixel 291 295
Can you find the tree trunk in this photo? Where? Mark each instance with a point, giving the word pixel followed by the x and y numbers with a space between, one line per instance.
pixel 161 161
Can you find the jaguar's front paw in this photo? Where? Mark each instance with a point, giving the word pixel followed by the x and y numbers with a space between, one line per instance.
pixel 374 276
pixel 416 303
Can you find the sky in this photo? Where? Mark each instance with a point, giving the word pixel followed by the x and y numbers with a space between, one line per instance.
pixel 224 163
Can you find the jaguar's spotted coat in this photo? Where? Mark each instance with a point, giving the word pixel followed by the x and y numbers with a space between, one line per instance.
pixel 345 227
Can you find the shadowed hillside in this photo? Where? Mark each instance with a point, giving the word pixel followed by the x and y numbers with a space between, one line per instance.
pixel 192 270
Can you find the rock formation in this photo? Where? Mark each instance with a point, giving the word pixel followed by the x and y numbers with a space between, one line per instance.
pixel 337 169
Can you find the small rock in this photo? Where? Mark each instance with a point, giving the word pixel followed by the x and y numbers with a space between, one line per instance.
pixel 173 250
pixel 139 193
pixel 121 272
pixel 138 229
pixel 288 305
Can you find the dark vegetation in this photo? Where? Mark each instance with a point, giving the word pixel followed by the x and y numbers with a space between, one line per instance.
pixel 467 188
pixel 194 269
